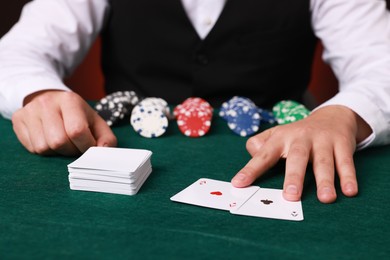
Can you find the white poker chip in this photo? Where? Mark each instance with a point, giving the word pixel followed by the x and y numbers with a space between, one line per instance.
pixel 156 102
pixel 148 121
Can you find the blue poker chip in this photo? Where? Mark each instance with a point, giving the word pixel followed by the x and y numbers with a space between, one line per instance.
pixel 236 102
pixel 266 116
pixel 242 115
pixel 223 109
pixel 244 120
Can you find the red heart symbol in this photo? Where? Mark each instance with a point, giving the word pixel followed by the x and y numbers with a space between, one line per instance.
pixel 218 193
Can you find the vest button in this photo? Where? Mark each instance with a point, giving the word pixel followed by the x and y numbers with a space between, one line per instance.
pixel 202 59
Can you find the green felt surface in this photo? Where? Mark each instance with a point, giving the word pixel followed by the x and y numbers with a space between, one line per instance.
pixel 40 217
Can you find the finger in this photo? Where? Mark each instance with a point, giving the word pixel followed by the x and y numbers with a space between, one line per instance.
pixel 38 138
pixel 33 126
pixel 296 164
pixel 76 124
pixel 254 144
pixel 21 131
pixel 261 162
pixel 102 132
pixel 55 134
pixel 79 133
pixel 323 166
pixel 346 169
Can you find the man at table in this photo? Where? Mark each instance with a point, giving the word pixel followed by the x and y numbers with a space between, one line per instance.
pixel 213 49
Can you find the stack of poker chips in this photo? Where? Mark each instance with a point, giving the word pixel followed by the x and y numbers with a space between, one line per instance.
pixel 194 116
pixel 116 106
pixel 242 115
pixel 110 170
pixel 288 111
pixel 149 118
pixel 266 116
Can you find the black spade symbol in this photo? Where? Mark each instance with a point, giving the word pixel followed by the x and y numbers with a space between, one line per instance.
pixel 294 214
pixel 266 202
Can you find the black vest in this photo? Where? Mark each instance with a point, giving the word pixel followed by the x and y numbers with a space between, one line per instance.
pixel 261 49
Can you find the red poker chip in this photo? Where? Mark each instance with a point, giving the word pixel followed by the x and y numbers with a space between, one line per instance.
pixel 183 108
pixel 197 102
pixel 194 100
pixel 195 123
pixel 194 116
pixel 179 109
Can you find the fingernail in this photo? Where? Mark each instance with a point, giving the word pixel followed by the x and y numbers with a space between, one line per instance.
pixel 239 177
pixel 326 190
pixel 292 190
pixel 349 187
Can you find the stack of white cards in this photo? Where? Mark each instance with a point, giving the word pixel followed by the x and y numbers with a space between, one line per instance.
pixel 251 201
pixel 110 170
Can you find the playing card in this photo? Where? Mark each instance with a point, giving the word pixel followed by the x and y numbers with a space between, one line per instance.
pixel 269 203
pixel 214 194
pixel 112 170
pixel 118 188
pixel 103 178
pixel 100 174
pixel 109 184
pixel 111 159
pixel 105 190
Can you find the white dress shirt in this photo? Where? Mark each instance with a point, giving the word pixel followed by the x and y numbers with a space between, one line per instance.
pixel 52 37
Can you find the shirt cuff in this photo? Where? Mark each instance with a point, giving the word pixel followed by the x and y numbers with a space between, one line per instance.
pixel 14 91
pixel 368 111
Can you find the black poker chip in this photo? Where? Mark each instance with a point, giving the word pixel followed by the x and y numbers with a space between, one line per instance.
pixel 116 106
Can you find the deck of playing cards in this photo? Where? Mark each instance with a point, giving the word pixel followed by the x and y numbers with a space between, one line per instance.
pixel 251 201
pixel 110 170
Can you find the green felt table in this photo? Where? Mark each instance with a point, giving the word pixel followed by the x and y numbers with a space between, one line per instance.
pixel 40 217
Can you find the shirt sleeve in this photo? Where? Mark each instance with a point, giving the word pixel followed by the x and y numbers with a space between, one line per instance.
pixel 356 39
pixel 50 39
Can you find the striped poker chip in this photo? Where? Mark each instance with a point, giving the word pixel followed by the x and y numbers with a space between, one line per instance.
pixel 288 111
pixel 148 121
